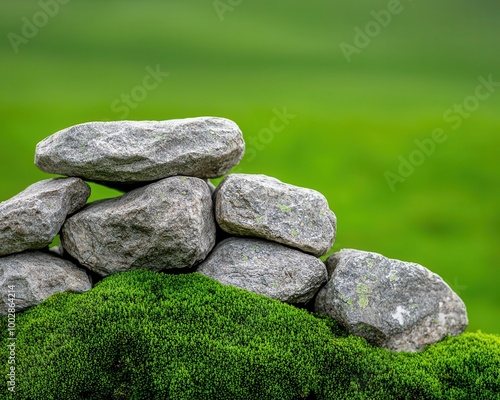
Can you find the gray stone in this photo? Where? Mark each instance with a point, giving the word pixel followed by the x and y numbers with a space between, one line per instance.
pixel 33 276
pixel 258 205
pixel 143 151
pixel 33 218
pixel 164 225
pixel 394 304
pixel 266 268
pixel 211 186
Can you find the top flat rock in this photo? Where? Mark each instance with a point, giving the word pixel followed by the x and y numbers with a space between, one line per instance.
pixel 143 151
pixel 261 206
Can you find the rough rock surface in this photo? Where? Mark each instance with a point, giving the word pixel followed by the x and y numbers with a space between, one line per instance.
pixel 258 205
pixel 164 225
pixel 398 305
pixel 266 268
pixel 33 218
pixel 34 276
pixel 143 151
pixel 211 186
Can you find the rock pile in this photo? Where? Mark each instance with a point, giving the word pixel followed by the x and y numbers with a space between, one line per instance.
pixel 169 218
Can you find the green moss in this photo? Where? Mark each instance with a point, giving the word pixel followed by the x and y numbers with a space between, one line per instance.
pixel 363 301
pixel 361 288
pixel 146 335
pixel 284 208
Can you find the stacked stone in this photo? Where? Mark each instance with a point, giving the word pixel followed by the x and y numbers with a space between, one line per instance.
pixel 278 231
pixel 252 231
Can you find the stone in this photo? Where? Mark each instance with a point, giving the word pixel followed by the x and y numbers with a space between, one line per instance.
pixel 164 225
pixel 131 152
pixel 212 187
pixel 397 305
pixel 266 268
pixel 33 276
pixel 261 206
pixel 34 217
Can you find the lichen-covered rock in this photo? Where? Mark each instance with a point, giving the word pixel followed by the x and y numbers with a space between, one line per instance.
pixel 266 268
pixel 29 278
pixel 398 305
pixel 33 218
pixel 258 205
pixel 164 225
pixel 143 151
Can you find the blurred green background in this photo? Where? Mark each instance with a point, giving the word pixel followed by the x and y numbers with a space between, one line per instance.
pixel 350 122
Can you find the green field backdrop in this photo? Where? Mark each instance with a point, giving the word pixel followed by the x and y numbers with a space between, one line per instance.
pixel 352 122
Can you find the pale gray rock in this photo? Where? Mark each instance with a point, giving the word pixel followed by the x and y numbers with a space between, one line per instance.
pixel 258 205
pixel 398 305
pixel 143 151
pixel 266 268
pixel 211 186
pixel 165 225
pixel 33 276
pixel 33 218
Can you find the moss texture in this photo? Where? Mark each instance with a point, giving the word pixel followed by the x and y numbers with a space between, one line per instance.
pixel 147 335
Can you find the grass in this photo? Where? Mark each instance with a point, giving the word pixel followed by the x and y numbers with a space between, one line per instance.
pixel 148 335
pixel 352 121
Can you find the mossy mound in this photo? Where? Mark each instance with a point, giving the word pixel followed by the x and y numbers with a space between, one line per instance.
pixel 147 335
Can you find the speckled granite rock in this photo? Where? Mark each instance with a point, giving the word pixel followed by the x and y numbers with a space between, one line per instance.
pixel 34 276
pixel 258 205
pixel 143 151
pixel 398 305
pixel 33 218
pixel 266 268
pixel 164 225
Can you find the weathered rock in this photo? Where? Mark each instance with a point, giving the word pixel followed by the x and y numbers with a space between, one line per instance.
pixel 143 151
pixel 211 186
pixel 267 268
pixel 398 305
pixel 258 205
pixel 33 276
pixel 164 225
pixel 33 218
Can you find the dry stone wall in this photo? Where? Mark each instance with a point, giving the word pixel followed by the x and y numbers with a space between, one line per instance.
pixel 171 217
